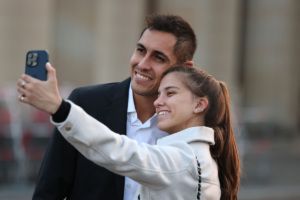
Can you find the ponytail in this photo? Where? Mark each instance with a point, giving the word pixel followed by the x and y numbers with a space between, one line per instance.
pixel 225 150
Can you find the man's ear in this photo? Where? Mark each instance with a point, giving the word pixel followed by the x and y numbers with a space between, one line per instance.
pixel 189 63
pixel 202 104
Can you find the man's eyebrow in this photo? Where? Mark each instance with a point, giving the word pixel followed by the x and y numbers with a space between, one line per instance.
pixel 140 45
pixel 159 53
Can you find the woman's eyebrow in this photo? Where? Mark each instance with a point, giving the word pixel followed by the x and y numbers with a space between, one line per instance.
pixel 171 87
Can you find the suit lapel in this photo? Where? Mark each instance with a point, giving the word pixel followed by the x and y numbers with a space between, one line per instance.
pixel 116 118
pixel 116 113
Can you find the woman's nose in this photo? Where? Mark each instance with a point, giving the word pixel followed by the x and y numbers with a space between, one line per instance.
pixel 158 102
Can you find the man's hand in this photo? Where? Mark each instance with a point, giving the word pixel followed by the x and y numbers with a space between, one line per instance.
pixel 43 95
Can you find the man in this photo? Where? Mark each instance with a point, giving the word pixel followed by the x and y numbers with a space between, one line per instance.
pixel 126 108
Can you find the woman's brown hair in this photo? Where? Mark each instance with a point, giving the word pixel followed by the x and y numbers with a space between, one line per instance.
pixel 218 117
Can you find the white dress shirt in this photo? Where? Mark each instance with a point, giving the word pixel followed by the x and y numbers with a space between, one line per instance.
pixel 146 132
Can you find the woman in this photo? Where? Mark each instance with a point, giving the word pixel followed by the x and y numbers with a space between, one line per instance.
pixel 198 160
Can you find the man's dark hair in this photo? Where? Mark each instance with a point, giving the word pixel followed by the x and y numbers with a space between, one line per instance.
pixel 186 43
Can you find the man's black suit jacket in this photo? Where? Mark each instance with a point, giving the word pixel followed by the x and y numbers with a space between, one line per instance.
pixel 64 171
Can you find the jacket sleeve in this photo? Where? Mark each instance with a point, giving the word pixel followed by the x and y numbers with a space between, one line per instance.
pixel 150 165
pixel 56 173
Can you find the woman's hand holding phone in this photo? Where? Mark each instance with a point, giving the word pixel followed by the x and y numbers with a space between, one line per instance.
pixel 41 93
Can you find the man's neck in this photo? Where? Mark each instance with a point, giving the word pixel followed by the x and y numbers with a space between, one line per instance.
pixel 144 107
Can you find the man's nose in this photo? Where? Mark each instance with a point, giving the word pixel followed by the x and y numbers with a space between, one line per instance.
pixel 144 63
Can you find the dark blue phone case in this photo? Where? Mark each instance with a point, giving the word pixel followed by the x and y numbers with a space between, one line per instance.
pixel 36 64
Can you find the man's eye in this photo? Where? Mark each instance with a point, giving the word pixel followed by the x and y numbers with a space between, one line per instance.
pixel 140 50
pixel 160 59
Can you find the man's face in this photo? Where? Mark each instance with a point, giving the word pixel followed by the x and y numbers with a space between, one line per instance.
pixel 152 56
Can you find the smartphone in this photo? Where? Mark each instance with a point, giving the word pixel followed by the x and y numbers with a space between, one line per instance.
pixel 36 64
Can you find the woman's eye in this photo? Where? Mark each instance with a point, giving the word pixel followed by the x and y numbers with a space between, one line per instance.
pixel 171 93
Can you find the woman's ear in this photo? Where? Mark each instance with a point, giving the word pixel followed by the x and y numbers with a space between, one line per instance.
pixel 202 104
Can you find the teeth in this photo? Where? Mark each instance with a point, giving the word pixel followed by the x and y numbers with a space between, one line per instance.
pixel 162 113
pixel 142 77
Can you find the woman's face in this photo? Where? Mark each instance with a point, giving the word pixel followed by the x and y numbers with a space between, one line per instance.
pixel 175 105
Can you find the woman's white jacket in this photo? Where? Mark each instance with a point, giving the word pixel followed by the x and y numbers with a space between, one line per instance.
pixel 179 167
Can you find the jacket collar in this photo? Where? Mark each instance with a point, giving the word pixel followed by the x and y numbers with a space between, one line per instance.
pixel 116 116
pixel 198 133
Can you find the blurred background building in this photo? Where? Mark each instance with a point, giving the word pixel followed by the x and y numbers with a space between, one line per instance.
pixel 253 45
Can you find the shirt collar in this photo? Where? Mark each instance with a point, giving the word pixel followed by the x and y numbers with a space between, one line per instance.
pixel 132 115
pixel 131 106
pixel 198 133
